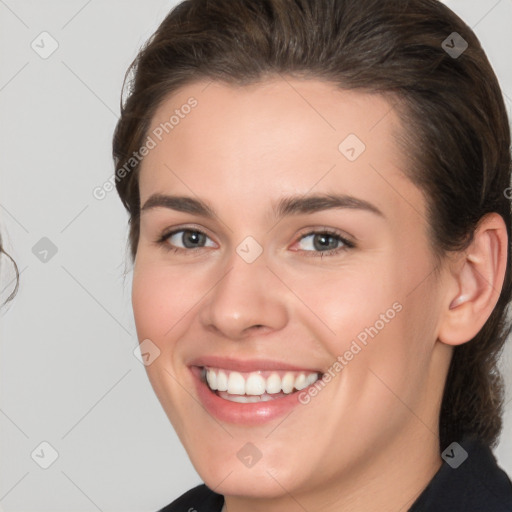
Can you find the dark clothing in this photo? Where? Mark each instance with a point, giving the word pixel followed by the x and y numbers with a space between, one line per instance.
pixel 200 499
pixel 478 484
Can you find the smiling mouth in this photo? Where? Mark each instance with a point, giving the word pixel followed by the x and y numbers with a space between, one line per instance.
pixel 256 386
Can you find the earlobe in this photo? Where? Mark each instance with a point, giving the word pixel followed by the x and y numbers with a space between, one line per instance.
pixel 477 279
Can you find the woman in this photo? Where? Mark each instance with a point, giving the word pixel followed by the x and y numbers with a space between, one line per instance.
pixel 321 246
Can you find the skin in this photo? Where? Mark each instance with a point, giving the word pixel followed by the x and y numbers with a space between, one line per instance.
pixel 369 440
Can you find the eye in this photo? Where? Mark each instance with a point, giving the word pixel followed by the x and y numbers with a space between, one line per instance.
pixel 184 239
pixel 324 242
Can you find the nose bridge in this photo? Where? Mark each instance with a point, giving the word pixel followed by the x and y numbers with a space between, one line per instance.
pixel 244 297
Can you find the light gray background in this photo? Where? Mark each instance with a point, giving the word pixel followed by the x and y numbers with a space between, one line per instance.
pixel 68 373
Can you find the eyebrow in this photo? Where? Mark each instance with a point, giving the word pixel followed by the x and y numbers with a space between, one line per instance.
pixel 293 205
pixel 316 203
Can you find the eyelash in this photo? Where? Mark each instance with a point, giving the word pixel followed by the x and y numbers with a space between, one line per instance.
pixel 347 244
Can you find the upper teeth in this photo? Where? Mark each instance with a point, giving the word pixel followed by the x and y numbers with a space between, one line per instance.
pixel 254 383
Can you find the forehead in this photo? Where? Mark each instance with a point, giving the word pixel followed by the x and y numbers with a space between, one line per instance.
pixel 256 142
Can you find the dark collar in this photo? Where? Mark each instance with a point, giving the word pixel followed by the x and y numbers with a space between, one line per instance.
pixel 469 480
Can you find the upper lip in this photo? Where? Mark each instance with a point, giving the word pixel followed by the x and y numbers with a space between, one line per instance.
pixel 247 365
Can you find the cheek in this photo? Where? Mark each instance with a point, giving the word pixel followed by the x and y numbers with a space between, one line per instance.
pixel 395 329
pixel 375 317
pixel 347 303
pixel 160 299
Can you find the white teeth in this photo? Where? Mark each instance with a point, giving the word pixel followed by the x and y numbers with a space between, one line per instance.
pixel 244 399
pixel 222 381
pixel 288 382
pixel 211 377
pixel 301 382
pixel 311 378
pixel 273 383
pixel 253 384
pixel 236 384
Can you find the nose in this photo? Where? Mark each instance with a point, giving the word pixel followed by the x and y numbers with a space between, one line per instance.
pixel 246 299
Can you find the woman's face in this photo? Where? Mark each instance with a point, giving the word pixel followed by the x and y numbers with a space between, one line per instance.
pixel 279 241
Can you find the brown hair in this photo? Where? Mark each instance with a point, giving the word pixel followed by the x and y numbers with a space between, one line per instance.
pixel 457 136
pixel 17 274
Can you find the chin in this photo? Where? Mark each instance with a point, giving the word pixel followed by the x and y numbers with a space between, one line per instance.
pixel 264 482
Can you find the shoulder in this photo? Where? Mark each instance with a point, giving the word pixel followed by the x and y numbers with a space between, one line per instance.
pixel 198 499
pixel 469 479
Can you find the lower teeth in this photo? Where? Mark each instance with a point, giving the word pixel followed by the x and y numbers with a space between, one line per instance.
pixel 249 399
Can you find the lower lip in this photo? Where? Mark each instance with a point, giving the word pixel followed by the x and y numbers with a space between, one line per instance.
pixel 255 413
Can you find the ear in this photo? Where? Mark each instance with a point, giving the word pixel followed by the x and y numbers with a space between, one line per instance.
pixel 475 282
